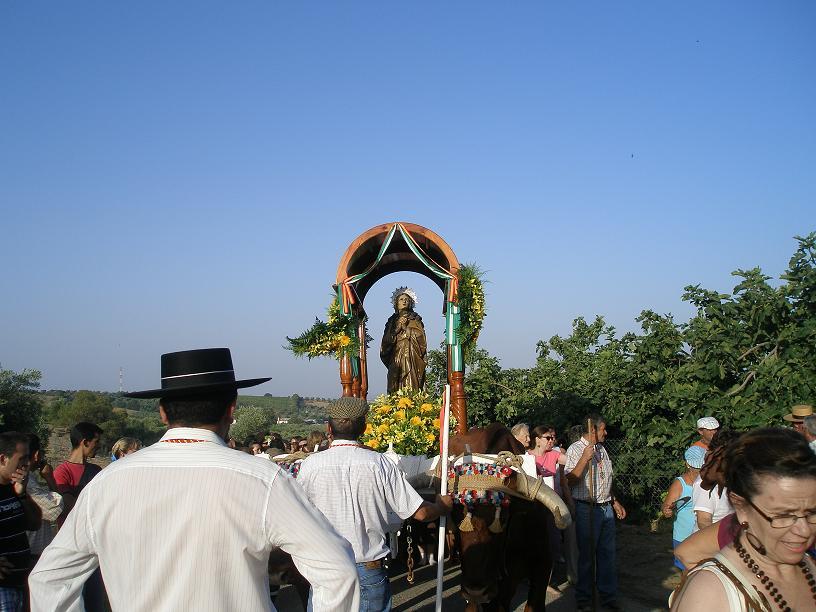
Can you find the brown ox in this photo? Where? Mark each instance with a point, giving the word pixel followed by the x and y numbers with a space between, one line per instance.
pixel 493 564
pixel 282 571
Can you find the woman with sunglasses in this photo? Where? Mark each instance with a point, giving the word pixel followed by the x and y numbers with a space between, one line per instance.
pixel 542 441
pixel 771 477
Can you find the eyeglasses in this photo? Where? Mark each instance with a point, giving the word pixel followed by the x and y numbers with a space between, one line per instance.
pixel 784 520
pixel 547 437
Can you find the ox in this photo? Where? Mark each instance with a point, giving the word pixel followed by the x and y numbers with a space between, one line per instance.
pixel 494 563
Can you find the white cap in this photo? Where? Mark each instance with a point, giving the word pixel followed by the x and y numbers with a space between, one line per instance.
pixel 708 423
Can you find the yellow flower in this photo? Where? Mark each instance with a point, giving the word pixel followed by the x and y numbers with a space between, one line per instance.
pixel 373 443
pixel 405 402
pixel 383 429
pixel 437 423
pixel 344 340
pixel 427 408
pixel 430 438
pixel 368 430
pixel 415 421
pixel 399 415
pixel 384 409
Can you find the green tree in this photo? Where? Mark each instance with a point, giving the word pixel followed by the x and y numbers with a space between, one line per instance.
pixel 94 408
pixel 436 373
pixel 20 406
pixel 251 423
pixel 483 388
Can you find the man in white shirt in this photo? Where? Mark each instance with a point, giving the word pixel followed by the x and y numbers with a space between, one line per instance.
pixel 357 489
pixel 188 523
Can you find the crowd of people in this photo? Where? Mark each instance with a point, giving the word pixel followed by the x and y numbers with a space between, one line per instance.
pixel 745 531
pixel 36 498
pixel 189 523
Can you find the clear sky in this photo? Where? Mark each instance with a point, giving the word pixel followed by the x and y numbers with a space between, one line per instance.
pixel 178 175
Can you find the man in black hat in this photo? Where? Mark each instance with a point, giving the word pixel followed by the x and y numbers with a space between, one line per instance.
pixel 358 490
pixel 187 523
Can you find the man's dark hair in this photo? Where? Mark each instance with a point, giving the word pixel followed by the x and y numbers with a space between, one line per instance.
pixel 9 441
pixel 594 419
pixel 275 440
pixel 84 431
pixel 348 429
pixel 34 444
pixel 205 409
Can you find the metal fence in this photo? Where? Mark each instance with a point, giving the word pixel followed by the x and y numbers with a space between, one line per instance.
pixel 641 490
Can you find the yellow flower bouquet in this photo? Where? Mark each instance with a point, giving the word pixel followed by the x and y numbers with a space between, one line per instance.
pixel 408 420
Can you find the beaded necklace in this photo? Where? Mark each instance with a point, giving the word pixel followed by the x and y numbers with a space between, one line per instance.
pixel 182 440
pixel 773 591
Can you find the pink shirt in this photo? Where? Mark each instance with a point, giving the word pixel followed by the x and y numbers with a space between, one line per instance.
pixel 547 465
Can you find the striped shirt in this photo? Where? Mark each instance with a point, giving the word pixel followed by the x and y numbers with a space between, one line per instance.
pixel 189 526
pixel 13 540
pixel 361 492
pixel 600 468
pixel 51 506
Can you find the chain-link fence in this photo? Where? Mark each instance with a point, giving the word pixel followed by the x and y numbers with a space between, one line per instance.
pixel 641 489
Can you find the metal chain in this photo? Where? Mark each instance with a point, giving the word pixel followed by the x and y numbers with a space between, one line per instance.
pixel 410 549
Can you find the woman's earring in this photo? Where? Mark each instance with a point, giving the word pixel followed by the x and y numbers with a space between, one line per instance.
pixel 752 539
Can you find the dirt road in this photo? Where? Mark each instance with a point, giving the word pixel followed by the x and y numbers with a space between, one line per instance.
pixel 645 575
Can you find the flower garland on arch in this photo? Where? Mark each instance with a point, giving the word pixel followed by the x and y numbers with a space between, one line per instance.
pixel 337 336
pixel 471 307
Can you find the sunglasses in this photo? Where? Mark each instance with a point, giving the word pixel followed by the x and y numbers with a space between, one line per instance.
pixel 547 437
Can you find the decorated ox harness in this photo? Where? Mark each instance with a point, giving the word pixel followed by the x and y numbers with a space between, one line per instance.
pixel 472 484
pixel 290 463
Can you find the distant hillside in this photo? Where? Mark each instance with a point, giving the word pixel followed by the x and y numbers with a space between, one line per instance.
pixel 292 407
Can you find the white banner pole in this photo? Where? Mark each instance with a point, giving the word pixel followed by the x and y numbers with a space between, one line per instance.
pixel 443 490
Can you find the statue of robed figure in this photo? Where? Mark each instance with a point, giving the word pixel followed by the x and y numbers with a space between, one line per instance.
pixel 404 346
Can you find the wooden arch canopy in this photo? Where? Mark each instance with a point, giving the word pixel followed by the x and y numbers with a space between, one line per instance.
pixel 363 251
pixel 360 256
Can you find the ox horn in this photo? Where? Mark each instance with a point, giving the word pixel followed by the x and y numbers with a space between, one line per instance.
pixel 535 489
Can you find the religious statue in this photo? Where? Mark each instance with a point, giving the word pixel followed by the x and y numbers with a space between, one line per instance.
pixel 404 346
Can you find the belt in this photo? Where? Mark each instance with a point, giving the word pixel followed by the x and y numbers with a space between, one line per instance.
pixel 372 564
pixel 584 501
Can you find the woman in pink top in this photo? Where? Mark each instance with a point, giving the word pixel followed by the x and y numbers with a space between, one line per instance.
pixel 548 459
pixel 542 440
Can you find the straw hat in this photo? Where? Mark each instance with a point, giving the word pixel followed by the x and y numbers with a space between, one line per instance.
pixel 798 413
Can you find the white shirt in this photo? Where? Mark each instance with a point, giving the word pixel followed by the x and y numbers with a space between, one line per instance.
pixel 717 506
pixel 189 526
pixel 358 489
pixel 601 465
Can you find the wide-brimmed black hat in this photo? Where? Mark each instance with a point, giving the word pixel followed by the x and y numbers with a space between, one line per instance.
pixel 196 372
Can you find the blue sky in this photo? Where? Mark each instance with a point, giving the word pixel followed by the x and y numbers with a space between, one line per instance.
pixel 180 175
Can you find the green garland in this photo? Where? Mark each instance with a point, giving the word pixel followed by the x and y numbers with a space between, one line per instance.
pixel 471 307
pixel 337 336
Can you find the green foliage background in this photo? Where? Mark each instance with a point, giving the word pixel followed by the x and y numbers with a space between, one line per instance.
pixel 745 357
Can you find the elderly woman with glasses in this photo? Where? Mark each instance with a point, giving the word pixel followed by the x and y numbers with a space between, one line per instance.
pixel 771 477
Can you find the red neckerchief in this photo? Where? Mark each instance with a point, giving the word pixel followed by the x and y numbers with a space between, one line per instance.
pixel 358 445
pixel 182 440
